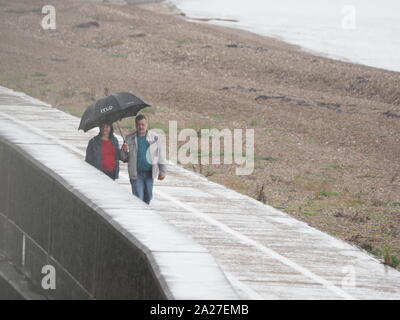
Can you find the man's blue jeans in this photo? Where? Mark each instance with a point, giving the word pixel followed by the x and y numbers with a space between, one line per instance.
pixel 142 187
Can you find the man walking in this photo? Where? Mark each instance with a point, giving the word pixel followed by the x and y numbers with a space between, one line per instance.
pixel 145 156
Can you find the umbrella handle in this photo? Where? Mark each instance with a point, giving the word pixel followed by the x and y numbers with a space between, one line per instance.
pixel 123 138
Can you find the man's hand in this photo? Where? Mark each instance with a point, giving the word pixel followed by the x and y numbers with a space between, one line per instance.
pixel 160 177
pixel 125 147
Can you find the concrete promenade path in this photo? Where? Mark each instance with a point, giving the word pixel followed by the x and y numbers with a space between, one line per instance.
pixel 265 253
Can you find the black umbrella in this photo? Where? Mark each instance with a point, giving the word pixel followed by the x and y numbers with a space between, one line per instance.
pixel 111 109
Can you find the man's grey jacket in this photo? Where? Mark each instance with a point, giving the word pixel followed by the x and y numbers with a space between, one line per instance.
pixel 155 155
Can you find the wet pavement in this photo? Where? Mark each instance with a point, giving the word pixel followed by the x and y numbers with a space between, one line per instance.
pixel 265 253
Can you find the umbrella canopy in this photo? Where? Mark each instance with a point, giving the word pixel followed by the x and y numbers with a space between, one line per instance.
pixel 110 109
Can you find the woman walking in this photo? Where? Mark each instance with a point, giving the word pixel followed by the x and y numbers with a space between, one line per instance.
pixel 103 151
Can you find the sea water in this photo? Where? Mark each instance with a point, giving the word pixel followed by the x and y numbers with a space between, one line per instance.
pixel 359 31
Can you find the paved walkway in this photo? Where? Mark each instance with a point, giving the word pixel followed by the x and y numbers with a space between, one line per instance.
pixel 265 253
